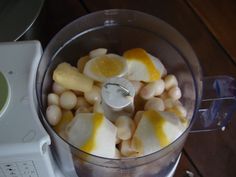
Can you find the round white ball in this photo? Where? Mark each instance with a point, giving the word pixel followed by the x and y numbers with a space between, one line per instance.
pixel 68 100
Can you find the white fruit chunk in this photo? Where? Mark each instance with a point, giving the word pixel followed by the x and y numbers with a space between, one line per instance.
pixel 93 133
pixel 141 66
pixel 68 100
pixel 156 130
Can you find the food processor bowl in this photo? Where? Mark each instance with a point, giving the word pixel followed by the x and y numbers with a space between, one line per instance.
pixel 120 30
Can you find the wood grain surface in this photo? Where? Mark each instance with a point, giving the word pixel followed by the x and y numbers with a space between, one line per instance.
pixel 186 168
pixel 219 17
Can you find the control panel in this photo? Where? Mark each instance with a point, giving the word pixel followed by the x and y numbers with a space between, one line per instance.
pixel 18 169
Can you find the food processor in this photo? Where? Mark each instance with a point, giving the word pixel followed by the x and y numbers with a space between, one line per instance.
pixel 116 30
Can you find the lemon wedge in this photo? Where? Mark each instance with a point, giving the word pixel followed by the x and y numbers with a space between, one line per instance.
pixel 142 67
pixel 106 66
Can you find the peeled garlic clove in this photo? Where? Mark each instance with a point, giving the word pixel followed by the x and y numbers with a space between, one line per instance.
pixel 57 88
pixel 97 52
pixel 53 114
pixel 68 100
pixel 126 149
pixel 148 91
pixel 175 93
pixel 125 127
pixel 170 81
pixel 155 104
pixel 159 87
pixel 53 99
pixel 152 89
pixel 94 95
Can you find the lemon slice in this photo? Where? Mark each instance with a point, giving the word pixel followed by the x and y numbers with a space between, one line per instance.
pixel 141 66
pixel 106 66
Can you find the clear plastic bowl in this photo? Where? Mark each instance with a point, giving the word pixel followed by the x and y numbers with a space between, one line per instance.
pixel 119 30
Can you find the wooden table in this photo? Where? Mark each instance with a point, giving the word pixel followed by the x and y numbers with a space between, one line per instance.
pixel 211 154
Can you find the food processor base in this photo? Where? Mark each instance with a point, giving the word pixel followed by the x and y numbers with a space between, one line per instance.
pixel 171 172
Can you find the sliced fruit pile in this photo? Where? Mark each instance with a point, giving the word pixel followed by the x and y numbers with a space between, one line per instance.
pixel 76 113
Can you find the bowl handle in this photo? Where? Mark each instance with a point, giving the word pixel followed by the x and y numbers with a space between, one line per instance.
pixel 218 104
